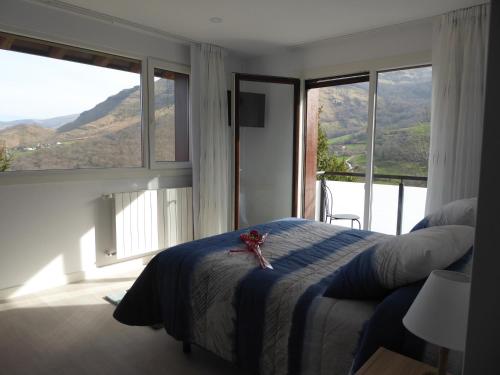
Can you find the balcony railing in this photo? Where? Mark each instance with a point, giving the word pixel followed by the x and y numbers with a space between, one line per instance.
pixel 395 179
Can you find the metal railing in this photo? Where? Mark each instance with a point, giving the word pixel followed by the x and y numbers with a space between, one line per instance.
pixel 401 189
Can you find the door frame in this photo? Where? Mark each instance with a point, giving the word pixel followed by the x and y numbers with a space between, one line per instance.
pixel 295 82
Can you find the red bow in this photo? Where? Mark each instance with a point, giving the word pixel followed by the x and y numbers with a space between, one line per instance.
pixel 253 240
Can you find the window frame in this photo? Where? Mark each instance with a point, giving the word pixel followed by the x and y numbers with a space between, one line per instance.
pixel 147 169
pixel 153 63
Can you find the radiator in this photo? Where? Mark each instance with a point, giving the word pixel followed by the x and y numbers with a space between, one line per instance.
pixel 150 220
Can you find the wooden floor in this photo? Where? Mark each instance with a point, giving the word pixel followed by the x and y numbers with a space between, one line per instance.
pixel 71 331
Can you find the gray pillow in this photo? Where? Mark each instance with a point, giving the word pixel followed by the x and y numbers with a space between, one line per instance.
pixel 459 212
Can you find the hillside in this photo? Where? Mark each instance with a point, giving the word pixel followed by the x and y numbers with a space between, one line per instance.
pixel 110 134
pixel 128 96
pixel 25 135
pixel 402 122
pixel 53 122
pixel 107 135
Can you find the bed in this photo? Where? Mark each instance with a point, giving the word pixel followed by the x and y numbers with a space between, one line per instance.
pixel 268 321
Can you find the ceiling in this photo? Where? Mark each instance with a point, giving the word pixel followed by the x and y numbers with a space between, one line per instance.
pixel 255 27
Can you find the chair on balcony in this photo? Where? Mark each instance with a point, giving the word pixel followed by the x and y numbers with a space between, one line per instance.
pixel 328 214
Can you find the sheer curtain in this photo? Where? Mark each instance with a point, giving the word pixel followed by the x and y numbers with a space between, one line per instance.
pixel 210 140
pixel 458 81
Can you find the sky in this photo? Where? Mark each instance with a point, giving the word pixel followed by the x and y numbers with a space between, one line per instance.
pixel 35 87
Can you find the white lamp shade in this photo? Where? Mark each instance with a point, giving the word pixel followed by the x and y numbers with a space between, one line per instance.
pixel 439 313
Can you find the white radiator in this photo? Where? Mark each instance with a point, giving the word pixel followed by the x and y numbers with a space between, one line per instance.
pixel 150 220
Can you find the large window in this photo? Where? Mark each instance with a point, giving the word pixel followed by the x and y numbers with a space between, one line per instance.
pixel 342 139
pixel 373 144
pixel 68 108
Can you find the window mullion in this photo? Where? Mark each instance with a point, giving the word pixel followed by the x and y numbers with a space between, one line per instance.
pixel 372 101
pixel 145 105
pixel 151 113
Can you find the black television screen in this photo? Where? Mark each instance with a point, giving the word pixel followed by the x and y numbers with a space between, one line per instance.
pixel 252 109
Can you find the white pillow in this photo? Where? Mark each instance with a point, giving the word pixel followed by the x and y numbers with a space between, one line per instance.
pixel 411 257
pixel 460 212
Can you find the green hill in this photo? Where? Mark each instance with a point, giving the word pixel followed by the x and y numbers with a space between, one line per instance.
pixel 402 122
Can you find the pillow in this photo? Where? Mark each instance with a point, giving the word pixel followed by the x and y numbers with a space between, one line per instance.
pixel 459 212
pixel 400 260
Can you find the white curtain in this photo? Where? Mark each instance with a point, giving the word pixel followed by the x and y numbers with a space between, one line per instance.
pixel 211 137
pixel 458 83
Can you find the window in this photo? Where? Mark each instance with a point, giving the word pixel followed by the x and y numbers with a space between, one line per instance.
pixel 401 147
pixel 403 115
pixel 170 104
pixel 66 108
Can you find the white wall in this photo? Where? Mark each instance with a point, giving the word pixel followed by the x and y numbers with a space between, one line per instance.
pixel 404 39
pixel 55 228
pixel 54 232
pixel 349 198
pixel 266 157
pixel 384 48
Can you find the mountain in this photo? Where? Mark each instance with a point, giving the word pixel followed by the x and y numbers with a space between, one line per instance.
pixel 110 133
pixel 107 135
pixel 25 134
pixel 402 121
pixel 7 124
pixel 51 123
pixel 56 122
pixel 403 99
pixel 104 108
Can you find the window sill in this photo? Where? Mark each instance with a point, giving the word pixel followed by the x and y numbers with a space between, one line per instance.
pixel 166 165
pixel 52 176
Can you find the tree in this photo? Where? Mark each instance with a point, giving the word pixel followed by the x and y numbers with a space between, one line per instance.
pixel 327 161
pixel 323 159
pixel 5 158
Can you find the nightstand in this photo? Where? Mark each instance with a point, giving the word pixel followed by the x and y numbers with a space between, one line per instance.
pixel 386 362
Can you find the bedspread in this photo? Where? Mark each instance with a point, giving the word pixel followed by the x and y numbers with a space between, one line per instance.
pixel 269 321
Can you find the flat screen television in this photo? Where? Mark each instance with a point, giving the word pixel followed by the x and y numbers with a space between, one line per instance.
pixel 252 109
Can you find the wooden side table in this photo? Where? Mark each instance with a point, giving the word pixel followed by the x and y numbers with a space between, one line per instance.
pixel 386 362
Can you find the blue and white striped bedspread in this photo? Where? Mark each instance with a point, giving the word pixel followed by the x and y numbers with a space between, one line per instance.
pixel 266 320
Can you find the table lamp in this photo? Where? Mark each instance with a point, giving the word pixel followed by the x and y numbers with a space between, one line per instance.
pixel 439 313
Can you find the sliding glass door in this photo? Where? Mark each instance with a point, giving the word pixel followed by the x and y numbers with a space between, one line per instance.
pixel 341 123
pixel 369 133
pixel 401 149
